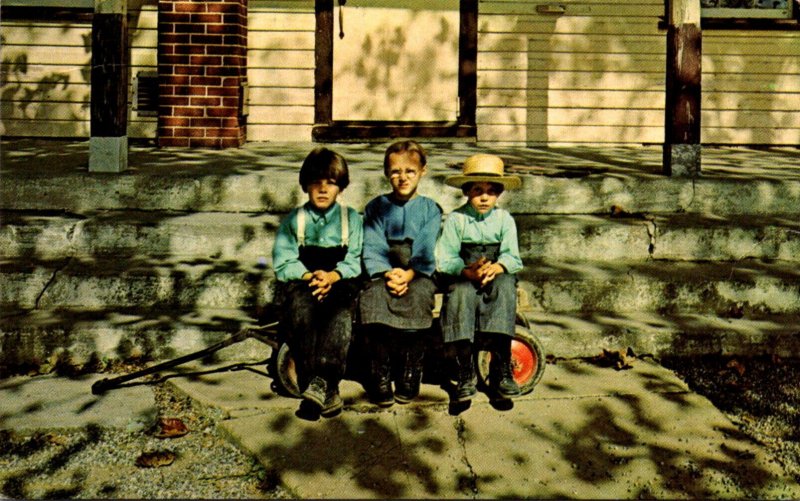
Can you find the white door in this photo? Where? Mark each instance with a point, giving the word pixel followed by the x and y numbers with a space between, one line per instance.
pixel 397 60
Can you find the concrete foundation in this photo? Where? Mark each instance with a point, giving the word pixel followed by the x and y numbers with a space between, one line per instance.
pixel 176 255
pixel 108 154
pixel 682 160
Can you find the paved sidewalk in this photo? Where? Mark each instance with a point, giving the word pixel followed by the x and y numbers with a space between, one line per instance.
pixel 585 432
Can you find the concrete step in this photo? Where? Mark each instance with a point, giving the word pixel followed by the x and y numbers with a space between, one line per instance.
pixel 728 289
pixel 107 284
pixel 75 338
pixel 42 340
pixel 588 334
pixel 732 289
pixel 263 178
pixel 248 238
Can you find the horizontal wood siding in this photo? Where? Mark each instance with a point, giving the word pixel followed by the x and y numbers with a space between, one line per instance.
pixel 46 86
pixel 281 70
pixel 595 74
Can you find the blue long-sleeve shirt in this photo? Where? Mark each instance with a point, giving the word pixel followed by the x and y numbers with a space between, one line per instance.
pixel 385 220
pixel 323 229
pixel 465 225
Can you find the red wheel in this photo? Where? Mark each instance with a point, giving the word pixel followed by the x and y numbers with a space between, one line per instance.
pixel 523 360
pixel 527 359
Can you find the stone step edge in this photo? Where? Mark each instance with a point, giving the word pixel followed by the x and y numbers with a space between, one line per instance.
pixel 725 287
pixel 276 190
pixel 24 343
pixel 249 238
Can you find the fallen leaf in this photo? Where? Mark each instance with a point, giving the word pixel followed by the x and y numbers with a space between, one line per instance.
pixel 737 366
pixel 171 428
pixel 155 459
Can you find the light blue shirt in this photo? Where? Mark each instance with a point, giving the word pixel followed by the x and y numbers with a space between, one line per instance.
pixel 465 225
pixel 322 229
pixel 385 220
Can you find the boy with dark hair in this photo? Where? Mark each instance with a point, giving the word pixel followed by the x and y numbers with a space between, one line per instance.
pixel 317 260
pixel 478 255
pixel 400 230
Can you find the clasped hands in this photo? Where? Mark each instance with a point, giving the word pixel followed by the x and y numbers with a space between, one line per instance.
pixel 398 280
pixel 482 271
pixel 321 281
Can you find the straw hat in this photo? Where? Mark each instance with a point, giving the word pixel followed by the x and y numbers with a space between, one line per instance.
pixel 484 168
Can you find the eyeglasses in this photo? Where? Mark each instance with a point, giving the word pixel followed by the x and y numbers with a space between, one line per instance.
pixel 409 173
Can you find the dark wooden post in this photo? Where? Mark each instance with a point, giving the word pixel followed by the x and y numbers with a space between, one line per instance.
pixel 108 145
pixel 468 67
pixel 323 63
pixel 682 110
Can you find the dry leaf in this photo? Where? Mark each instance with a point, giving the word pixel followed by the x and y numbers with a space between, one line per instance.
pixel 155 459
pixel 737 366
pixel 171 428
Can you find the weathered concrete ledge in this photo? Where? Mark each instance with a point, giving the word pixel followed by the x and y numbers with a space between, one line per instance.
pixel 726 289
pixel 174 254
pixel 248 238
pixel 261 178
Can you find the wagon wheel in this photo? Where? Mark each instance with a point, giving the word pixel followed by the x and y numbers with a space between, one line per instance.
pixel 527 357
pixel 283 370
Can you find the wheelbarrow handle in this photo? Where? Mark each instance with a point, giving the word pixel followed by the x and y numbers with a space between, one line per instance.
pixel 101 386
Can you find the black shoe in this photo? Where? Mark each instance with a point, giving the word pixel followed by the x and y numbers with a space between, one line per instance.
pixel 333 403
pixel 409 382
pixel 381 394
pixel 379 388
pixel 316 392
pixel 466 383
pixel 408 386
pixel 501 372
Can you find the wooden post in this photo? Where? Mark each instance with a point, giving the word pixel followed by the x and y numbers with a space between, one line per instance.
pixel 323 63
pixel 108 145
pixel 682 110
pixel 468 67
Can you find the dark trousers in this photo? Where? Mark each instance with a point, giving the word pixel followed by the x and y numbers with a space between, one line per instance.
pixel 318 332
pixel 468 309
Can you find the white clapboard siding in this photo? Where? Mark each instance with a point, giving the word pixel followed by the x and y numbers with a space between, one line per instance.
pixel 596 74
pixel 280 74
pixel 46 92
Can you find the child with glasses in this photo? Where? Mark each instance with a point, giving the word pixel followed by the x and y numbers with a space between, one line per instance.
pixel 400 230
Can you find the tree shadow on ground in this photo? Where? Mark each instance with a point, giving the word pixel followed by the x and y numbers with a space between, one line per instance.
pixel 366 451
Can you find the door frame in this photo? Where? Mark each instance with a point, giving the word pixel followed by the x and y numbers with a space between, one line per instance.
pixel 327 129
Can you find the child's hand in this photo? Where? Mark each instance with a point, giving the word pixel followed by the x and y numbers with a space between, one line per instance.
pixel 322 281
pixel 472 271
pixel 398 280
pixel 489 271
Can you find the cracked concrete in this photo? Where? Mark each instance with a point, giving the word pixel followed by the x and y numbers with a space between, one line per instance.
pixel 49 283
pixel 585 432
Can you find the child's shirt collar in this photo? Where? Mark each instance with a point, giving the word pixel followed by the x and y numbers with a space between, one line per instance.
pixel 470 211
pixel 319 215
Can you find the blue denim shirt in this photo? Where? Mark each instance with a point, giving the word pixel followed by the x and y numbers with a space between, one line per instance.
pixel 386 220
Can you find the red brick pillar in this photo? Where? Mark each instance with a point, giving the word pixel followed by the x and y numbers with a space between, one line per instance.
pixel 202 71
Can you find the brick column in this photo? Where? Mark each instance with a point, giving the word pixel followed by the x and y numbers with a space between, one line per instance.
pixel 202 72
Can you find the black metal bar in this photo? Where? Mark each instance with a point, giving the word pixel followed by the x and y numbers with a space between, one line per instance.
pixel 106 384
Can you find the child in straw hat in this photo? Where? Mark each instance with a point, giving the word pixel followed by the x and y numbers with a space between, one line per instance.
pixel 478 255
